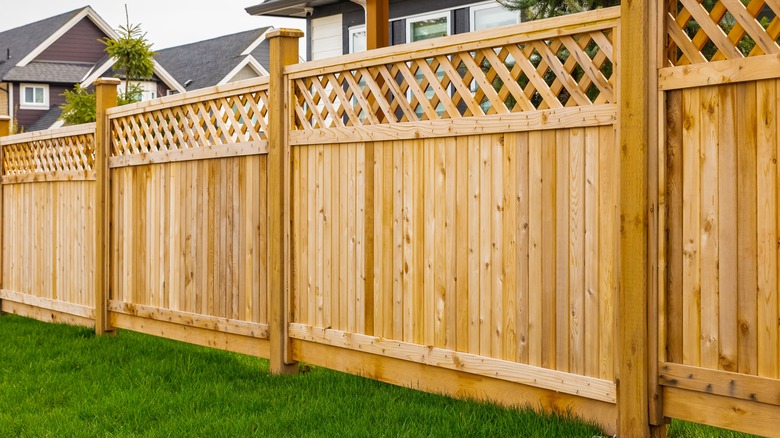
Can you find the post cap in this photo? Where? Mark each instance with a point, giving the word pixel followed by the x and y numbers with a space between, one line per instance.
pixel 284 32
pixel 107 81
pixel 5 118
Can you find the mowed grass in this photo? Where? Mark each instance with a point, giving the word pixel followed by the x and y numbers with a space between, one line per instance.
pixel 57 381
pixel 684 429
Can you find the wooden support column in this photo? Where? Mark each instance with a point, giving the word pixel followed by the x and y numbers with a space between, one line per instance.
pixel 5 130
pixel 106 93
pixel 634 50
pixel 377 36
pixel 284 52
pixel 377 24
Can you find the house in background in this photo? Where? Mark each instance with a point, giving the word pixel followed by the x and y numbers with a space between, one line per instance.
pixel 219 60
pixel 337 27
pixel 39 61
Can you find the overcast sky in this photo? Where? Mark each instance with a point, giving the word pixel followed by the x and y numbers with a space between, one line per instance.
pixel 168 23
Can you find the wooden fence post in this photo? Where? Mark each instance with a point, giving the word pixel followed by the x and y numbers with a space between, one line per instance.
pixel 634 96
pixel 284 52
pixel 106 93
pixel 5 130
pixel 377 36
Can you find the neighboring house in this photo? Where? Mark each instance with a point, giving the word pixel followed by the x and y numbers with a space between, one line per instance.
pixel 41 60
pixel 337 27
pixel 218 61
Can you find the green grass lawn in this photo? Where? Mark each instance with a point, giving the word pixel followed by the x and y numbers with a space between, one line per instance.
pixel 58 381
pixel 64 381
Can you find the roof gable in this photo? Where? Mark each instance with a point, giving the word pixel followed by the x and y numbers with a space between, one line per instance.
pixel 17 43
pixel 210 62
pixel 32 45
pixel 81 43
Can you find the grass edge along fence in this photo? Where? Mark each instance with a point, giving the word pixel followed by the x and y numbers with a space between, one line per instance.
pixel 483 215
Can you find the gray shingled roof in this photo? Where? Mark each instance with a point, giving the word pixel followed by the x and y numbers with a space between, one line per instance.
pixel 53 72
pixel 206 63
pixel 47 120
pixel 23 40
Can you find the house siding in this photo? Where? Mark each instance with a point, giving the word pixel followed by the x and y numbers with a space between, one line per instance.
pixel 327 37
pixel 4 99
pixel 245 73
pixel 79 44
pixel 353 15
pixel 26 117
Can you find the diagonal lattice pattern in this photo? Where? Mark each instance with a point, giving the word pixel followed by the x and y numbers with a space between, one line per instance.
pixel 716 30
pixel 565 71
pixel 59 154
pixel 205 122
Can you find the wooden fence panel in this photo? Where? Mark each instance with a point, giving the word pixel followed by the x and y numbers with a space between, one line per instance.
pixel 189 214
pixel 728 214
pixel 722 298
pixel 460 244
pixel 190 237
pixel 49 224
pixel 49 228
pixel 455 205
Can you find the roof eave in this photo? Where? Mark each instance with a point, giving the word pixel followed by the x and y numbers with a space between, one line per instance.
pixel 278 9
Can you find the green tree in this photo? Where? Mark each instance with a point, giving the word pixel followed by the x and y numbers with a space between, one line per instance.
pixel 134 58
pixel 134 62
pixel 79 107
pixel 535 9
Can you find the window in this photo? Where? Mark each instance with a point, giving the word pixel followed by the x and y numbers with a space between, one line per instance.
pixel 147 89
pixel 428 26
pixel 357 39
pixel 491 15
pixel 35 96
pixel 422 28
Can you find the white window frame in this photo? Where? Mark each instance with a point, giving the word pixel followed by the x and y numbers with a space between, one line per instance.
pixel 483 6
pixel 352 31
pixel 33 105
pixel 447 13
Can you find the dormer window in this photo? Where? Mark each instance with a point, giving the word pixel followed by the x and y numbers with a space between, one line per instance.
pixel 35 96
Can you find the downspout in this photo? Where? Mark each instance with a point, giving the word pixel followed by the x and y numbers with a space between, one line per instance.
pixel 11 104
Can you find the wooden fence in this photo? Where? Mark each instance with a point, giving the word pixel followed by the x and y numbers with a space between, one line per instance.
pixel 454 205
pixel 48 201
pixel 455 215
pixel 188 208
pixel 720 359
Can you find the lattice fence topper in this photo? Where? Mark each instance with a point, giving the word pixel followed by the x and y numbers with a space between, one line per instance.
pixel 70 153
pixel 225 120
pixel 566 71
pixel 715 30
